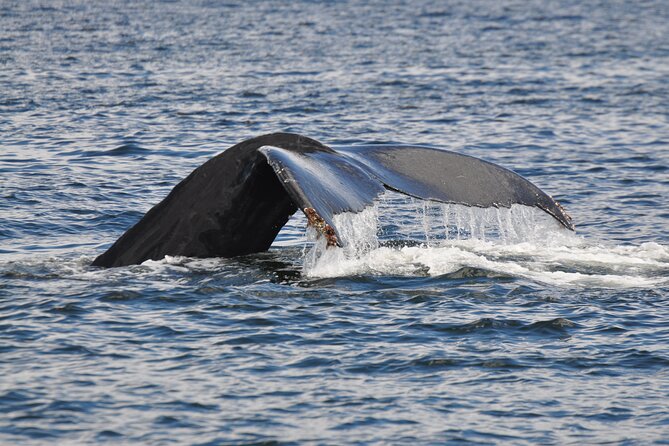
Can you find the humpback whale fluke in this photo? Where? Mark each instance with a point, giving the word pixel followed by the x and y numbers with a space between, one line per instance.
pixel 237 202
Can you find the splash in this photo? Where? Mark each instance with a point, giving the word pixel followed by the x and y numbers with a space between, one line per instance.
pixel 359 231
pixel 435 223
pixel 407 237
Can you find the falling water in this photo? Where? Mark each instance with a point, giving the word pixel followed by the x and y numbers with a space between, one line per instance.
pixel 404 236
pixel 432 223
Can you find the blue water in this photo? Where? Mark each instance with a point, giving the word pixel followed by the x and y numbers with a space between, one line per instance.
pixel 546 338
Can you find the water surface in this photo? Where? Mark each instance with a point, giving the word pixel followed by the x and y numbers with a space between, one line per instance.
pixel 425 335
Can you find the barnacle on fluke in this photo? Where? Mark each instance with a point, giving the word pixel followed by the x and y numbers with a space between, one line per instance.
pixel 316 221
pixel 237 202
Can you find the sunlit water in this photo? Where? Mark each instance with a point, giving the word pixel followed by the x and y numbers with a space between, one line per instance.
pixel 435 323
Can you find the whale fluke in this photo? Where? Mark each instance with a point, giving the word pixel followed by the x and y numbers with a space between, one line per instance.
pixel 450 177
pixel 237 202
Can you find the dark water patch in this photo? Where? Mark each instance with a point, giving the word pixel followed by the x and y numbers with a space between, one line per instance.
pixel 72 349
pixel 193 113
pixel 315 362
pixel 14 400
pixel 644 359
pixel 473 273
pixel 484 324
pixel 433 364
pixel 613 414
pixel 371 422
pixel 128 149
pixel 253 94
pixel 435 14
pixel 593 100
pixel 657 168
pixel 255 339
pixel 167 421
pixel 558 325
pixel 159 331
pixel 69 309
pixel 443 121
pixel 120 295
pixel 108 435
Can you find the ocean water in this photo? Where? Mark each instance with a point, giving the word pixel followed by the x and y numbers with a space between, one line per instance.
pixel 437 324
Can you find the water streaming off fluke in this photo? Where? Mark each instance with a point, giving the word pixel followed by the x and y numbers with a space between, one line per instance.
pixel 406 237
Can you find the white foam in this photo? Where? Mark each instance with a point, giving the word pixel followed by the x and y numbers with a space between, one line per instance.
pixel 436 239
pixel 359 231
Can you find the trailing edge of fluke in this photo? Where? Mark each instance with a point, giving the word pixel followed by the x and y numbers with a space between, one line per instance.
pixel 237 202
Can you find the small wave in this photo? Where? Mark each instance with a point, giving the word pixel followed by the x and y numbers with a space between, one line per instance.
pixel 124 150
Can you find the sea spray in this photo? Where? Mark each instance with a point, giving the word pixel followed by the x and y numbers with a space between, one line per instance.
pixel 407 237
pixel 356 231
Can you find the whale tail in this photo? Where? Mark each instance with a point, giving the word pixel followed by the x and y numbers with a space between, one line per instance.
pixel 237 202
